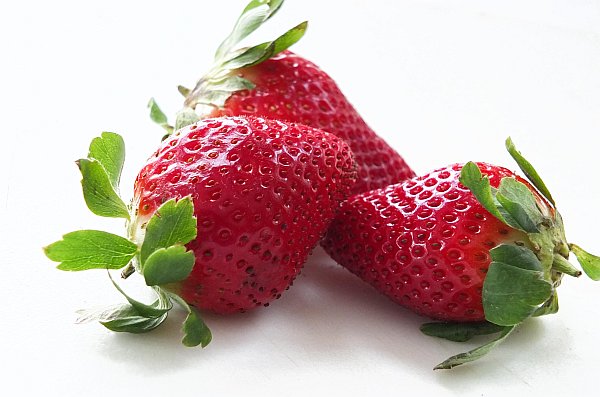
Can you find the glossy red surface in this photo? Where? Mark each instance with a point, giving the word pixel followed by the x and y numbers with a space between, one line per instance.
pixel 264 193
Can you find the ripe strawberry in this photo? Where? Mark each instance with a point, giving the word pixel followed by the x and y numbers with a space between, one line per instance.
pixel 269 81
pixel 458 246
pixel 223 217
pixel 264 193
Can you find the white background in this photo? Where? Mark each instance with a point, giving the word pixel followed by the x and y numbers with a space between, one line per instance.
pixel 442 81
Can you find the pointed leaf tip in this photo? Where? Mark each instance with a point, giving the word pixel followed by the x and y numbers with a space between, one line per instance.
pixel 252 17
pixel 476 353
pixel 472 178
pixel 109 150
pixel 99 193
pixel 159 117
pixel 528 170
pixel 91 249
pixel 589 263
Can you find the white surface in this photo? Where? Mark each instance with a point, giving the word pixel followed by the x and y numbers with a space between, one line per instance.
pixel 442 81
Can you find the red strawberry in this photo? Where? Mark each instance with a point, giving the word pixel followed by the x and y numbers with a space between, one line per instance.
pixel 264 193
pixel 269 81
pixel 223 218
pixel 457 246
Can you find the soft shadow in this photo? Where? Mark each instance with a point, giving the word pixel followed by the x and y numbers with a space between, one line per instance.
pixel 327 317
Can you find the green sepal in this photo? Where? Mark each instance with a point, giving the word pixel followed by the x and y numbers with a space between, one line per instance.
pixel 251 18
pixel 98 191
pixel 222 80
pixel 261 52
pixel 134 317
pixel 528 170
pixel 109 150
pixel 230 84
pixel 589 263
pixel 549 307
pixel 216 92
pixel 476 353
pixel 186 116
pixel 128 321
pixel 195 330
pixel 511 294
pixel 158 116
pixel 168 265
pixel 173 223
pixel 158 308
pixel 517 256
pixel 479 185
pixel 459 332
pixel 91 249
pixel 183 90
pixel 519 202
pixel 122 318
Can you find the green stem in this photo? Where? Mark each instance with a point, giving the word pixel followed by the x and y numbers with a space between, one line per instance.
pixel 561 264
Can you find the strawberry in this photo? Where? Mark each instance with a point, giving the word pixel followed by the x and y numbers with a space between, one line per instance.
pixel 473 245
pixel 223 217
pixel 268 80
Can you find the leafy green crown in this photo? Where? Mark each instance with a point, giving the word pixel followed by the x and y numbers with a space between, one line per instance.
pixel 521 280
pixel 161 258
pixel 216 86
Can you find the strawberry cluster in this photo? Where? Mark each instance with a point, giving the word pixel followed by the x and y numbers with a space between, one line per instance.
pixel 266 160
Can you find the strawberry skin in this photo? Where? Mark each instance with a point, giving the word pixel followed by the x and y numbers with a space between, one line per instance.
pixel 424 243
pixel 264 193
pixel 289 87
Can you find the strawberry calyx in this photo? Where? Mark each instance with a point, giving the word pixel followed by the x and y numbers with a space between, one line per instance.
pixel 222 80
pixel 523 277
pixel 158 253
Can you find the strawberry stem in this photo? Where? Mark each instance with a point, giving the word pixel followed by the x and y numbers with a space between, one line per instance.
pixel 561 264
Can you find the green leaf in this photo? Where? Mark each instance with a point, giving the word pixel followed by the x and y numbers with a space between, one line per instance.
pixel 261 52
pixel 253 16
pixel 511 294
pixel 168 265
pixel 98 191
pixel 91 249
pixel 135 317
pixel 216 92
pixel 194 329
pixel 230 84
pixel 183 90
pixel 250 56
pixel 589 263
pixel 549 307
pixel 161 306
pixel 477 353
pixel 289 38
pixel 157 115
pixel 173 223
pixel 528 170
pixel 471 177
pixel 128 320
pixel 186 116
pixel 121 318
pixel 519 202
pixel 459 332
pixel 109 150
pixel 515 255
